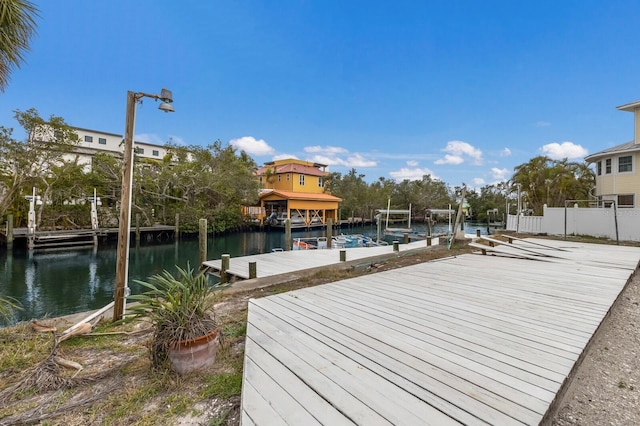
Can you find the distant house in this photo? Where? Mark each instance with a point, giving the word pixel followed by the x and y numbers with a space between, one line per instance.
pixel 617 177
pixel 294 189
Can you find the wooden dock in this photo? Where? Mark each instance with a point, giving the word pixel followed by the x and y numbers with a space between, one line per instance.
pixel 77 238
pixel 466 340
pixel 269 264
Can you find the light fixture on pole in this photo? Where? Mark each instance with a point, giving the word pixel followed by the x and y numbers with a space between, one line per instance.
pixel 124 231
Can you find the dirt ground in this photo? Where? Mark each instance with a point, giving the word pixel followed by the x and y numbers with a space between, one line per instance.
pixel 116 385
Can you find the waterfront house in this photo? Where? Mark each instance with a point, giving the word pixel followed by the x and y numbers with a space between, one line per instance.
pixel 295 189
pixel 617 177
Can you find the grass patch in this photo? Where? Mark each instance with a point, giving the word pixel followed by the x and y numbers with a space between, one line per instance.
pixel 223 385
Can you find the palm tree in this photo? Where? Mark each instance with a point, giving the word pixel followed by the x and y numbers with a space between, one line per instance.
pixel 17 26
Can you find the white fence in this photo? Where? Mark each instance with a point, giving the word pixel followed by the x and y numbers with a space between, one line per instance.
pixel 596 222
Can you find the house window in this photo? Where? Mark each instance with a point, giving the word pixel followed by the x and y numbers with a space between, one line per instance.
pixel 301 180
pixel 607 165
pixel 88 138
pixel 102 141
pixel 260 180
pixel 599 168
pixel 155 153
pixel 287 176
pixel 279 178
pixel 320 182
pixel 625 200
pixel 625 164
pixel 139 151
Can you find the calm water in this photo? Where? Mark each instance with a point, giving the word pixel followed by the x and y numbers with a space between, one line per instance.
pixel 66 282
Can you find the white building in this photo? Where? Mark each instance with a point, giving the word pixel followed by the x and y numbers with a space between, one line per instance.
pixel 93 142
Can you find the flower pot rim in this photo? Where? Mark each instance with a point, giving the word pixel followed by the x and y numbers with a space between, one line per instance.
pixel 205 338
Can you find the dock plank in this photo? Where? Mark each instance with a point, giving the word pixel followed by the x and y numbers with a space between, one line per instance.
pixel 468 339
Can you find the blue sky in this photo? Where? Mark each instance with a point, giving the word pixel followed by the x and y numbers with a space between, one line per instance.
pixel 461 90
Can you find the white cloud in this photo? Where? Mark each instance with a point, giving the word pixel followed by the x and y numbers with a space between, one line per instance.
pixel 450 159
pixel 543 124
pixel 411 174
pixel 499 174
pixel 353 160
pixel 412 163
pixel 457 150
pixel 251 145
pixel 558 151
pixel 333 150
pixel 284 157
pixel 478 181
pixel 505 153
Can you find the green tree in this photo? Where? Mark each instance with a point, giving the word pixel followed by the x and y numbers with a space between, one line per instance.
pixel 17 27
pixel 28 163
pixel 552 182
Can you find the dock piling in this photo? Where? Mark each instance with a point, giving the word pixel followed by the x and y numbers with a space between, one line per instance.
pixel 287 234
pixel 253 270
pixel 9 232
pixel 137 229
pixel 202 234
pixel 343 255
pixel 224 267
pixel 329 232
pixel 396 246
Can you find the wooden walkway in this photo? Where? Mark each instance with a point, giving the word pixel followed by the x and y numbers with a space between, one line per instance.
pixel 465 340
pixel 283 262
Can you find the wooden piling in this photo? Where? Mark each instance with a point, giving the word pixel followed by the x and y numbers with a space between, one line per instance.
pixel 253 270
pixel 478 233
pixel 396 246
pixel 287 234
pixel 429 241
pixel 406 238
pixel 224 267
pixel 137 229
pixel 202 234
pixel 329 232
pixel 9 232
pixel 343 255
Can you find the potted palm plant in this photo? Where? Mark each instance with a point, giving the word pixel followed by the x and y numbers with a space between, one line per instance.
pixel 182 310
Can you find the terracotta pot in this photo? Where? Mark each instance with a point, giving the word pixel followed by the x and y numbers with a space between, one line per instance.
pixel 193 354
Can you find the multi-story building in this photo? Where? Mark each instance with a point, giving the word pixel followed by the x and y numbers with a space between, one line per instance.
pixel 294 189
pixel 617 177
pixel 93 142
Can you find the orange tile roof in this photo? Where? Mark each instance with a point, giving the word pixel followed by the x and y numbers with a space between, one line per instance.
pixel 293 168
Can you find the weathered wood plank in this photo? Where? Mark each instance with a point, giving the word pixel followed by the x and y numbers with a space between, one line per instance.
pixel 472 339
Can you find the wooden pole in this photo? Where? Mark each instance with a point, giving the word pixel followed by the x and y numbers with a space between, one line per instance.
pixel 122 255
pixel 224 267
pixel 406 238
pixel 287 234
pixel 9 232
pixel 329 232
pixel 253 270
pixel 137 229
pixel 202 234
pixel 343 255
pixel 429 241
pixel 396 246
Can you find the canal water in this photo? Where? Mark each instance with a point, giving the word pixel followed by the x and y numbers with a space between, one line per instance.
pixel 52 284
